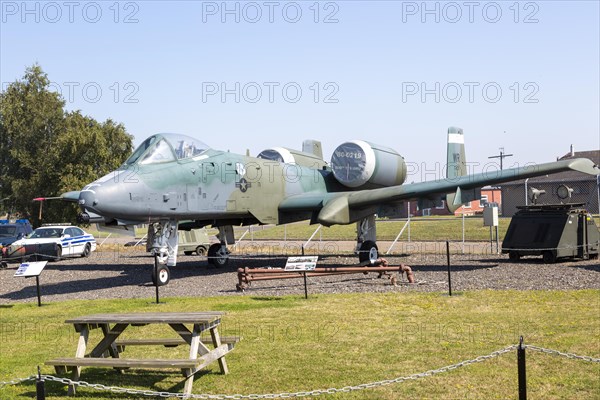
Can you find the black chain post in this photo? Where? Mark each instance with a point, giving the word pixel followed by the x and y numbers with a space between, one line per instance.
pixel 522 370
pixel 40 386
pixel 449 275
pixel 156 278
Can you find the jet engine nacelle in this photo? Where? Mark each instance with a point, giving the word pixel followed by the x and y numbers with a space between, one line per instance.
pixel 359 164
pixel 290 156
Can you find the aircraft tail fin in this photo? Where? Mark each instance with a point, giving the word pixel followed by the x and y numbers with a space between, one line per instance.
pixel 456 164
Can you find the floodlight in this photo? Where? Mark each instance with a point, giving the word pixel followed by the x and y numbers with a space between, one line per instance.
pixel 536 193
pixel 564 192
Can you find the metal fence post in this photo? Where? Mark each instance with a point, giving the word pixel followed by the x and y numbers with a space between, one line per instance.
pixel 449 274
pixel 522 370
pixel 40 388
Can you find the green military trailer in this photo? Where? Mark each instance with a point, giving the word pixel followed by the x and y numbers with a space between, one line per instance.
pixel 194 241
pixel 553 231
pixel 189 242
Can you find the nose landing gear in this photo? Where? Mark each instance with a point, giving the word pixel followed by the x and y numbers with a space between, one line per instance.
pixel 163 240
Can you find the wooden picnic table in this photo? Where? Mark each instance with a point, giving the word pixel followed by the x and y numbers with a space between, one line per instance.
pixel 107 352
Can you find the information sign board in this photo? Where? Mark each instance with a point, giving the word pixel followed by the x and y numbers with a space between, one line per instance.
pixel 308 263
pixel 29 269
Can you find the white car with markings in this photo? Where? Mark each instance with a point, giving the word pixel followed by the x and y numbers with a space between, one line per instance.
pixel 55 242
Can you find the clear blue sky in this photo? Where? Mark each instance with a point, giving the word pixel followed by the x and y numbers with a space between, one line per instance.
pixel 162 66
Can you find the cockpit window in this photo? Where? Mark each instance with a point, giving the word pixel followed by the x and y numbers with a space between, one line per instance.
pixel 166 147
pixel 185 146
pixel 159 153
pixel 140 150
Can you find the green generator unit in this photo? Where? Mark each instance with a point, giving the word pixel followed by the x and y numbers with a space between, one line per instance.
pixel 553 231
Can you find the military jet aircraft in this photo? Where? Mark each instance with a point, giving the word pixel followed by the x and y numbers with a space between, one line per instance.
pixel 176 182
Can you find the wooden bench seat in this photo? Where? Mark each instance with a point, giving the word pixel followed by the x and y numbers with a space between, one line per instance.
pixel 170 342
pixel 126 363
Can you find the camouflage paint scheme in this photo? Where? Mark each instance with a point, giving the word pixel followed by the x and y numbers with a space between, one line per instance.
pixel 223 189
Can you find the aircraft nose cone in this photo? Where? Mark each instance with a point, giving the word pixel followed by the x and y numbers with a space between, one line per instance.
pixel 87 198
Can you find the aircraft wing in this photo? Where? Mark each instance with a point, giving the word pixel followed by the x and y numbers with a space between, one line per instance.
pixel 345 207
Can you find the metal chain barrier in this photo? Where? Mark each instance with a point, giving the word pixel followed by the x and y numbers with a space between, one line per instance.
pixel 318 392
pixel 559 353
pixel 17 381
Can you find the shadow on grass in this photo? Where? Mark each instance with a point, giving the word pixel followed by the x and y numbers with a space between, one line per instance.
pixel 138 379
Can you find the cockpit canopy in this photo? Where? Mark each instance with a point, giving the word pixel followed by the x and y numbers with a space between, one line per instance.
pixel 166 147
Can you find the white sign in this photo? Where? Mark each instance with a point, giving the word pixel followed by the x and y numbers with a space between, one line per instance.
pixel 301 263
pixel 31 269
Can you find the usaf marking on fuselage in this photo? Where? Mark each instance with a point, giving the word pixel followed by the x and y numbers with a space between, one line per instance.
pixel 173 181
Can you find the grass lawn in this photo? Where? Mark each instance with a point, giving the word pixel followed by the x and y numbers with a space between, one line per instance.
pixel 291 344
pixel 421 229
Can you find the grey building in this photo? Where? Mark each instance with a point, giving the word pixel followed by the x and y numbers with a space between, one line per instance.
pixel 585 187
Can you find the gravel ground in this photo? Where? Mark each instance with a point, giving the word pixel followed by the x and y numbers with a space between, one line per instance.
pixel 126 274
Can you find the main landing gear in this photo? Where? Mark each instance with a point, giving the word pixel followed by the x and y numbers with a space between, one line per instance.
pixel 218 254
pixel 366 246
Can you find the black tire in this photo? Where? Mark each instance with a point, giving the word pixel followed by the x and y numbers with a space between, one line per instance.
pixel 57 254
pixel 368 252
pixel 216 255
pixel 86 250
pixel 549 257
pixel 3 265
pixel 164 275
pixel 201 250
pixel 514 256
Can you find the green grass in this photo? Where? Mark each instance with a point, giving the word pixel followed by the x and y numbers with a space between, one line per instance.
pixel 291 344
pixel 437 228
pixel 421 229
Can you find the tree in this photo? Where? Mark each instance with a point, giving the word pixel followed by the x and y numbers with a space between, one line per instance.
pixel 45 150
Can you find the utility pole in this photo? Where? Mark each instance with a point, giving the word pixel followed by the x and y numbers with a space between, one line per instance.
pixel 502 156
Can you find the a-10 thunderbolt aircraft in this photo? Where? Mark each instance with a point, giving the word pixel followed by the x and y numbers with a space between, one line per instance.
pixel 176 182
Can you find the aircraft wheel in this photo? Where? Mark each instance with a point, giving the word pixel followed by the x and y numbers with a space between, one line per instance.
pixel 514 256
pixel 164 275
pixel 86 250
pixel 549 257
pixel 218 255
pixel 368 252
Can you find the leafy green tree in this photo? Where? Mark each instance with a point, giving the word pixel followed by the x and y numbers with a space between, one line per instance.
pixel 45 150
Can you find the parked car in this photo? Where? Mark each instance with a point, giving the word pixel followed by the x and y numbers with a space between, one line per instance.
pixel 13 231
pixel 54 242
pixel 10 232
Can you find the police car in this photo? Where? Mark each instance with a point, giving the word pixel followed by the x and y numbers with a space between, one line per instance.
pixel 54 242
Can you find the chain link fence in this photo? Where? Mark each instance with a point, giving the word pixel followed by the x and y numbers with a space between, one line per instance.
pixel 548 191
